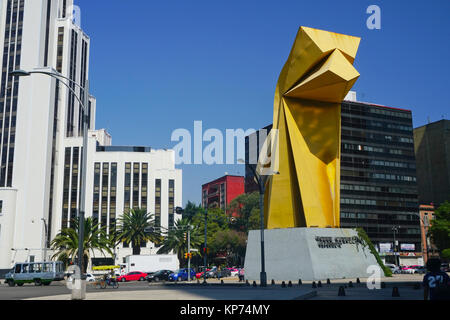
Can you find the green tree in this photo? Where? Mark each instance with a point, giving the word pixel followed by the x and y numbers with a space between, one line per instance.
pixel 445 254
pixel 246 208
pixel 66 242
pixel 132 226
pixel 231 242
pixel 176 239
pixel 191 209
pixel 440 227
pixel 217 221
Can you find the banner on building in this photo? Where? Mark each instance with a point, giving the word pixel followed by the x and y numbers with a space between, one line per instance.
pixel 407 247
pixel 385 247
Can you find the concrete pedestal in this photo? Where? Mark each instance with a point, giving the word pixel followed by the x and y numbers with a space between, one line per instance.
pixel 309 254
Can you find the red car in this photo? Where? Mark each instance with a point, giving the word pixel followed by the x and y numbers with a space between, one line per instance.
pixel 133 276
pixel 199 275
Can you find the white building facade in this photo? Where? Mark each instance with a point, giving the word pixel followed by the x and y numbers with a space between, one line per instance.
pixel 41 141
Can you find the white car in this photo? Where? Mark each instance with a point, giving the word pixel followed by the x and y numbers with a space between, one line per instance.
pixel 89 278
pixel 393 268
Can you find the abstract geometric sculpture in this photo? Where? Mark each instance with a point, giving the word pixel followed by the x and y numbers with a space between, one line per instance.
pixel 307 113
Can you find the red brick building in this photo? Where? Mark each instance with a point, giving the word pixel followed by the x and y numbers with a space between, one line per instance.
pixel 220 192
pixel 426 220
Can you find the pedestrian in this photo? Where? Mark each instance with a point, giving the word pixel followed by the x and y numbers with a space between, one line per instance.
pixel 241 274
pixel 436 283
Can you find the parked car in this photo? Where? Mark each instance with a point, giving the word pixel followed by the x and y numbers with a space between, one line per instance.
pixel 89 277
pixel 200 271
pixel 132 276
pixel 394 268
pixel 233 272
pixel 216 273
pixel 408 269
pixel 445 267
pixel 420 269
pixel 182 275
pixel 161 275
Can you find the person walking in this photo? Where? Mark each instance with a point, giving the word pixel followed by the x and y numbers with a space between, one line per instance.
pixel 436 283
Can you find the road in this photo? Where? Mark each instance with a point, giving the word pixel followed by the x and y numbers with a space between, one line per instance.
pixel 231 289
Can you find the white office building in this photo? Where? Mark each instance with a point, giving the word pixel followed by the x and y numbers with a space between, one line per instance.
pixel 41 141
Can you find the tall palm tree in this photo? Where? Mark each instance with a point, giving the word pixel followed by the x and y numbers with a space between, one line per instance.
pixel 176 241
pixel 66 242
pixel 132 227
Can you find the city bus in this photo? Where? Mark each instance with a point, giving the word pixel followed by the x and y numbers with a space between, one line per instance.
pixel 41 273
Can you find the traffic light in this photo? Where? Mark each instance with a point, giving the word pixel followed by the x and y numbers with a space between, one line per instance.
pixel 188 255
pixel 185 236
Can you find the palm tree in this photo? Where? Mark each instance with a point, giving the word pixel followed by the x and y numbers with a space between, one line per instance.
pixel 133 228
pixel 176 240
pixel 66 242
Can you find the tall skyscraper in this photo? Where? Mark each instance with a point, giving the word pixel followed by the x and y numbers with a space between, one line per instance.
pixel 432 147
pixel 42 146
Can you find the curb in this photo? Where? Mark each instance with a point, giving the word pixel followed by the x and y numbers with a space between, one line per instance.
pixel 306 296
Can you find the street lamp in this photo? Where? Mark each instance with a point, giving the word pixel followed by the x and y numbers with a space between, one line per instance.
pixel 46 239
pixel 261 180
pixel 85 89
pixel 397 259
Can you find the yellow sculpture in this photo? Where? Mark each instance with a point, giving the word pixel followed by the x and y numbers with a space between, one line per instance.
pixel 307 113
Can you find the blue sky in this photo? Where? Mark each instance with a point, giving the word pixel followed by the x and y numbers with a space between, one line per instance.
pixel 160 65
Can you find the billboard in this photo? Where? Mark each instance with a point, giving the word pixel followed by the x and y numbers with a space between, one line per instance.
pixel 385 247
pixel 407 247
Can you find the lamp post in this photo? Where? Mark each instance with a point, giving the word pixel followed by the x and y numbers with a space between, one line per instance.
pixel 205 248
pixel 397 259
pixel 46 239
pixel 85 120
pixel 261 180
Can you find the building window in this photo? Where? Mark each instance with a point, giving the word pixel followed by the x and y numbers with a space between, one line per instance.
pixel 74 186
pixel 66 188
pixel 127 189
pixel 171 202
pixel 144 191
pixel 105 186
pixel 60 49
pixel 113 198
pixel 158 202
pixel 136 173
pixel 96 198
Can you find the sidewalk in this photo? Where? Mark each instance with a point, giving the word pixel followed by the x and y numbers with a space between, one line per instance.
pixel 232 289
pixel 193 292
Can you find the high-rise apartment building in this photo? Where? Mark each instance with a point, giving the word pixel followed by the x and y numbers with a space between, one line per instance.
pixel 432 147
pixel 41 142
pixel 378 174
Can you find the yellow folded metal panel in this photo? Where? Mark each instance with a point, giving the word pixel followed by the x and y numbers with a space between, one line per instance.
pixel 315 79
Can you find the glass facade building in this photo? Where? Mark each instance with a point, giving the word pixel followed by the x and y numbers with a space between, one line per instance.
pixel 378 173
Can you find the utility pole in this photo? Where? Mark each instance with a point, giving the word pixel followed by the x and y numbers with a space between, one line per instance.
pixel 205 248
pixel 189 251
pixel 46 239
pixel 397 259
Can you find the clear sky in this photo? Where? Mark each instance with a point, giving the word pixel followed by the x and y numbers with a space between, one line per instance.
pixel 160 65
